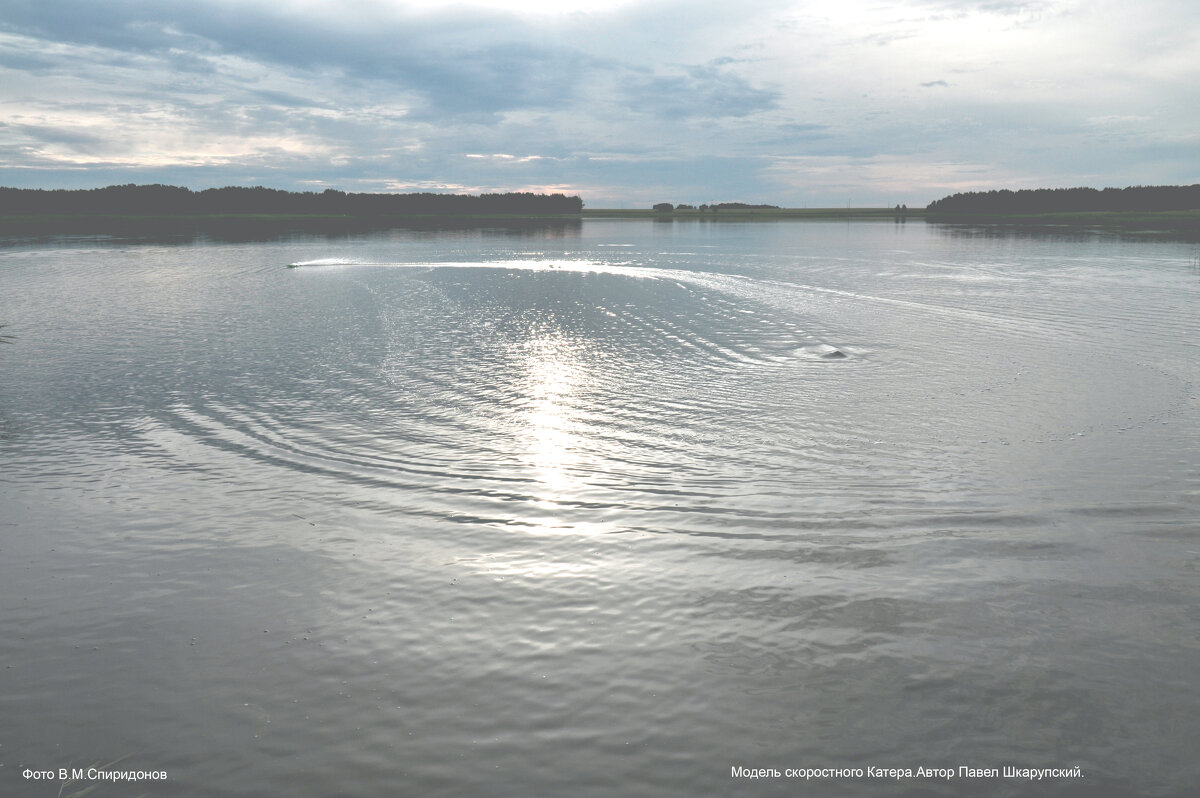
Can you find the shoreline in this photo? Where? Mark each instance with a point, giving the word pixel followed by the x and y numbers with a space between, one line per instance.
pixel 253 225
pixel 752 213
pixel 1165 222
pixel 121 223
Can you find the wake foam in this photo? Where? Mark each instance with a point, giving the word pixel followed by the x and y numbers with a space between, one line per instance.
pixel 326 262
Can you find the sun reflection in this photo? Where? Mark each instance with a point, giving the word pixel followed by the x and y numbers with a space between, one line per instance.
pixel 554 375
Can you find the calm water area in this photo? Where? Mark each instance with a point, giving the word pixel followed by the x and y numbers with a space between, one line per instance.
pixel 601 509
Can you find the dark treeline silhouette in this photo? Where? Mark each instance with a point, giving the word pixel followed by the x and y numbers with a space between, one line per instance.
pixel 1065 200
pixel 741 206
pixel 160 200
pixel 666 207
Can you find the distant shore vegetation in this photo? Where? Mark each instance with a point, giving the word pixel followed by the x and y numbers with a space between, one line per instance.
pixel 161 200
pixel 666 207
pixel 248 213
pixel 1138 199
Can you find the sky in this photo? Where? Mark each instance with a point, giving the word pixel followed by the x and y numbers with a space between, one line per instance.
pixel 814 103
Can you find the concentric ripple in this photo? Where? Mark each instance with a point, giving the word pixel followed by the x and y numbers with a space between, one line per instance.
pixel 603 510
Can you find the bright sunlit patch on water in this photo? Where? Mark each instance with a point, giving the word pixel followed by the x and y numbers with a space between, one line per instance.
pixel 554 375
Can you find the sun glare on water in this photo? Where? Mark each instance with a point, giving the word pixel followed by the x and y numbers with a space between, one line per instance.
pixel 553 378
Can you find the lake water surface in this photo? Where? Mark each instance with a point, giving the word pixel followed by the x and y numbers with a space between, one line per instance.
pixel 607 509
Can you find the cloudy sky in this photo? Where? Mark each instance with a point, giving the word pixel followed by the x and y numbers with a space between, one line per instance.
pixel 625 103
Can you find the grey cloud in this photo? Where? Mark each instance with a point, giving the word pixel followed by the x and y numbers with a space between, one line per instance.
pixel 699 92
pixel 118 25
pixel 790 137
pixel 803 129
pixel 493 79
pixel 460 62
pixel 190 63
pixel 281 98
pixel 27 62
pixel 80 141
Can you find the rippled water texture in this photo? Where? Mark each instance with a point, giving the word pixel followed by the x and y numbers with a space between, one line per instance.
pixel 601 510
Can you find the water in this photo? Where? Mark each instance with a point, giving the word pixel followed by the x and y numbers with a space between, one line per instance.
pixel 601 510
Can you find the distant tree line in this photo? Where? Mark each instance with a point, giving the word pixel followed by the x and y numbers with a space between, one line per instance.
pixel 160 200
pixel 666 207
pixel 1055 200
pixel 741 206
